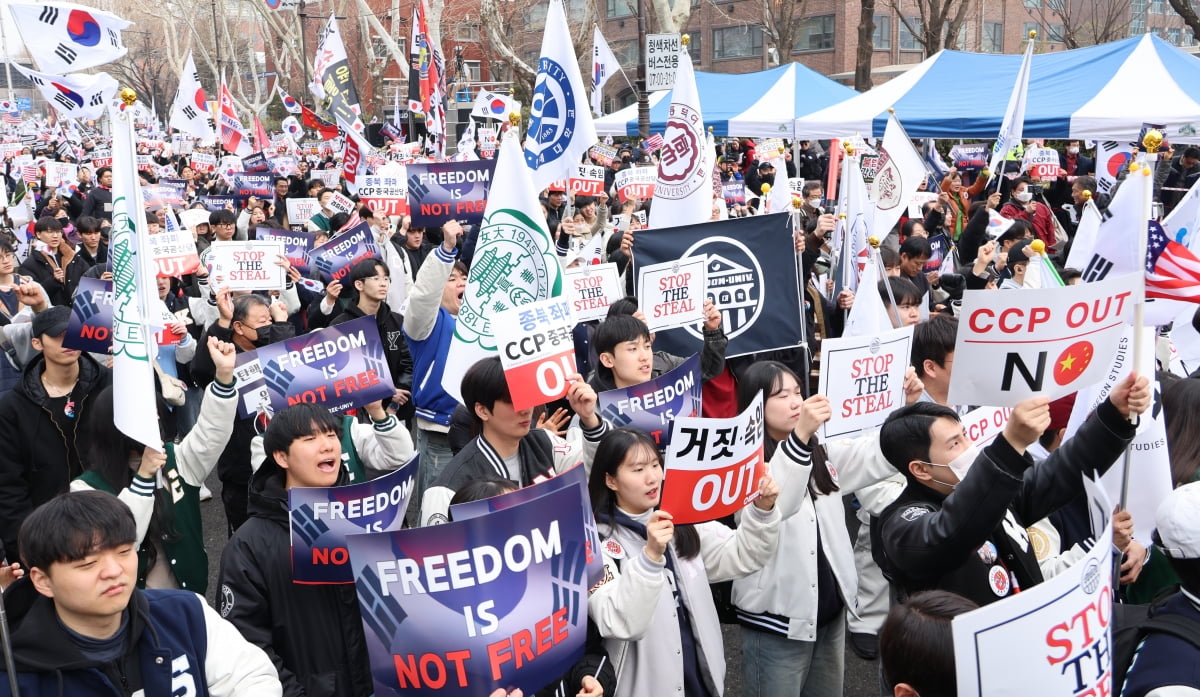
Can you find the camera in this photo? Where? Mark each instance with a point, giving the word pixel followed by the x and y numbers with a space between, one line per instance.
pixel 1037 190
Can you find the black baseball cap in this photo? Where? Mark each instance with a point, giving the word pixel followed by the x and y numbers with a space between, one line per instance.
pixel 52 322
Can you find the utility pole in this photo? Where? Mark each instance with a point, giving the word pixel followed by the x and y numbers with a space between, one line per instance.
pixel 643 99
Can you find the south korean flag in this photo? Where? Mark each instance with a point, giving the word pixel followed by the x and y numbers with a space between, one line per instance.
pixel 189 112
pixel 62 37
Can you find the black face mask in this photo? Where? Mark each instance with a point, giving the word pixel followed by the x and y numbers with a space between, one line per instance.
pixel 262 336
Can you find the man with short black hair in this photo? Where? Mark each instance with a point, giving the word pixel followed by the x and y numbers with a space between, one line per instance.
pixel 98 203
pixel 370 281
pixel 959 524
pixel 81 627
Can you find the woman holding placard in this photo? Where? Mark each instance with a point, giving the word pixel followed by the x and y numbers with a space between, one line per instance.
pixel 653 605
pixel 792 611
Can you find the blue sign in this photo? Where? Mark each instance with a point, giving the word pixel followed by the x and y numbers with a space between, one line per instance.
pixel 441 191
pixel 654 404
pixel 335 258
pixel 24 104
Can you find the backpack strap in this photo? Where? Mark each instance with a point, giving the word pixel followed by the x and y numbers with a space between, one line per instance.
pixel 1178 626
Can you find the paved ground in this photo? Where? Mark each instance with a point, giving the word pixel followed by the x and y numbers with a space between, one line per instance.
pixel 861 676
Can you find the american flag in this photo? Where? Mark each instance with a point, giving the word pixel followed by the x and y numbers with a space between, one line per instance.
pixel 655 142
pixel 11 117
pixel 1172 270
pixel 30 173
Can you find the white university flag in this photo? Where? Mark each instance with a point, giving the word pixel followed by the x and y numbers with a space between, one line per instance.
pixel 1014 115
pixel 133 269
pixel 62 38
pixel 77 96
pixel 515 264
pixel 901 171
pixel 683 191
pixel 604 66
pixel 189 112
pixel 560 122
pixel 868 315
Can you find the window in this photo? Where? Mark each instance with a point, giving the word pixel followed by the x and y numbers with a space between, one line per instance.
pixel 618 8
pixel 1173 35
pixel 815 34
pixel 626 52
pixel 1137 25
pixel 576 10
pixel 993 37
pixel 535 16
pixel 1032 26
pixel 883 33
pixel 908 42
pixel 737 42
pixel 466 31
pixel 1156 7
pixel 694 47
pixel 1056 33
pixel 471 71
pixel 1033 3
pixel 960 43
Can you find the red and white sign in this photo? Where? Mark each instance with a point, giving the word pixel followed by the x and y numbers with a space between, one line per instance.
pixel 340 203
pixel 201 162
pixel 863 376
pixel 985 423
pixel 1040 163
pixel 588 181
pixel 248 265
pixel 714 466
pixel 671 294
pixel 385 195
pixel 1048 341
pixel 174 252
pixel 537 350
pixel 301 210
pixel 591 289
pixel 636 182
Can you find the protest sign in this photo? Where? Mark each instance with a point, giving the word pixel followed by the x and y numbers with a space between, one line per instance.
pixel 869 166
pixel 90 326
pixel 174 252
pixel 635 182
pixel 163 195
pixel 588 180
pixel 576 477
pixel 219 202
pixel 749 260
pixel 918 201
pixel 329 177
pixel 458 609
pixel 970 155
pixel 256 162
pixel 603 153
pixel 487 141
pixel 537 350
pixel 203 162
pixel 1040 163
pixel 734 192
pixel 340 367
pixel 284 165
pixel 1038 341
pixel 939 246
pixel 322 518
pixel 441 191
pixel 714 466
pixel 296 245
pixel 863 376
pixel 671 294
pixel 59 173
pixel 591 289
pixel 145 163
pixel 246 265
pixel 301 210
pixel 1058 632
pixel 385 195
pixel 339 203
pixel 983 424
pixel 247 184
pixel 335 258
pixel 651 406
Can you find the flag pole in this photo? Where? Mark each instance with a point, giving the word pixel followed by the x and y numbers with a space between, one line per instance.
pixel 7 62
pixel 882 274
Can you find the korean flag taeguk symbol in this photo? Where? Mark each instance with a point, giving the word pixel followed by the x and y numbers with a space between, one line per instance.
pixel 83 28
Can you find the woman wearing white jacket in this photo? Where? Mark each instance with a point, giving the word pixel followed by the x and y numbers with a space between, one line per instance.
pixel 653 607
pixel 791 612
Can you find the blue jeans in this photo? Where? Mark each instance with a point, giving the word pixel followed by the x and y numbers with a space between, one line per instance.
pixel 433 447
pixel 775 666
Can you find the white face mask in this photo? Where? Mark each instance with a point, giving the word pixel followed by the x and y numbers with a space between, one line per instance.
pixel 1072 151
pixel 1024 197
pixel 960 465
pixel 814 202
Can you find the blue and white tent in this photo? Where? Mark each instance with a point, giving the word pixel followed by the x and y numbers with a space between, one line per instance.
pixel 755 105
pixel 1100 92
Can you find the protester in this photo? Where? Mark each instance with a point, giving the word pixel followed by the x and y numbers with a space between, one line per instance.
pixel 917 645
pixel 653 607
pixel 81 627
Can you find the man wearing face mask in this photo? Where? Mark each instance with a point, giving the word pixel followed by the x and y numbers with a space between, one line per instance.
pixel 1024 205
pixel 248 322
pixel 1073 163
pixel 966 534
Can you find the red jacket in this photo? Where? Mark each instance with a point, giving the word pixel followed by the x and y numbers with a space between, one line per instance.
pixel 1042 220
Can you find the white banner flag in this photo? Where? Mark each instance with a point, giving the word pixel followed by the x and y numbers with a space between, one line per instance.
pixel 683 191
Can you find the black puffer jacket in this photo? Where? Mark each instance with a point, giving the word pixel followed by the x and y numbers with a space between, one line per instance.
pixel 312 633
pixel 35 462
pixel 961 542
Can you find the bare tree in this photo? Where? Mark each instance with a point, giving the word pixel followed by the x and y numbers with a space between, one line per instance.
pixel 504 23
pixel 938 22
pixel 1086 22
pixel 780 22
pixel 1187 12
pixel 866 46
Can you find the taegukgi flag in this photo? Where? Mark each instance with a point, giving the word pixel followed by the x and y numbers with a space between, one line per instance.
pixel 63 37
pixel 76 96
pixel 189 112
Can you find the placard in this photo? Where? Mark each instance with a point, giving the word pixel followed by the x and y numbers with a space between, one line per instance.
pixel 662 60
pixel 653 405
pixel 385 194
pixel 1040 163
pixel 296 245
pixel 587 181
pixel 671 294
pixel 219 202
pixel 603 153
pixel 247 184
pixel 591 290
pixel 635 182
pixel 246 265
pixel 321 518
pixel 863 376
pixel 339 367
pixel 174 252
pixel 537 351
pixel 301 210
pixel 335 258
pixel 340 203
pixel 441 191
pixel 256 162
pixel 455 610
pixel 1042 342
pixel 59 173
pixel 329 177
pixel 714 466
pixel 284 165
pixel 734 192
pixel 90 326
pixel 163 195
